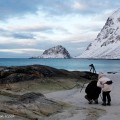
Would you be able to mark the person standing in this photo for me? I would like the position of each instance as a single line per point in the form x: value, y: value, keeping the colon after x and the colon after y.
x: 106, y: 85
x: 92, y: 68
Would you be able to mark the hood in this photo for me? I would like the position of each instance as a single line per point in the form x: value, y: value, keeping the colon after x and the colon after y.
x: 101, y: 75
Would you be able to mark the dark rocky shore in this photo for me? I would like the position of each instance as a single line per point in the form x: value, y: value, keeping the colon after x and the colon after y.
x: 32, y: 72
x: 22, y: 90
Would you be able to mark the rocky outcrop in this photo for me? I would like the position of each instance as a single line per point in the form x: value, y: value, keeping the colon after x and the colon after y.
x: 32, y: 72
x: 31, y: 105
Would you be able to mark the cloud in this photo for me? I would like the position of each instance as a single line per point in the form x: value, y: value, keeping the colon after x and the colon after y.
x: 77, y: 38
x: 20, y: 42
x: 77, y: 5
x: 42, y: 24
x: 22, y: 35
x: 17, y: 35
x: 58, y: 7
x: 22, y: 51
x: 46, y: 28
x: 31, y: 28
x: 11, y: 8
x: 67, y: 7
x: 19, y: 8
x: 98, y: 6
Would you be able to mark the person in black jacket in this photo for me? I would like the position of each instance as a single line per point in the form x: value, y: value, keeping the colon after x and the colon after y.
x: 92, y: 68
x: 92, y: 92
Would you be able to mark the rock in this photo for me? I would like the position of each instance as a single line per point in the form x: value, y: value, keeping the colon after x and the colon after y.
x: 31, y: 105
x: 30, y: 96
x: 32, y: 72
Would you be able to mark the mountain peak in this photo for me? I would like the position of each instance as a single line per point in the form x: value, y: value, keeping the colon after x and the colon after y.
x: 107, y: 43
x: 56, y: 52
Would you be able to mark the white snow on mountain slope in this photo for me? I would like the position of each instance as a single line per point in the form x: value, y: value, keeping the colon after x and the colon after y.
x: 107, y: 43
x: 56, y: 52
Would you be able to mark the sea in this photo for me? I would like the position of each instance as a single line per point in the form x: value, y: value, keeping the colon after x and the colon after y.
x: 101, y: 65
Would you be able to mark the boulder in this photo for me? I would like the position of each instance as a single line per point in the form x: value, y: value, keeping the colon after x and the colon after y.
x: 31, y: 105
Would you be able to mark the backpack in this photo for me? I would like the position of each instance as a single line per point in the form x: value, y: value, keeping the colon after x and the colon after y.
x: 109, y: 82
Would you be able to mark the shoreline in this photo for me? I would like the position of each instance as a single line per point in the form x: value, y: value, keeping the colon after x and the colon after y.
x: 32, y: 72
x: 3, y: 67
x: 67, y: 58
x: 74, y: 106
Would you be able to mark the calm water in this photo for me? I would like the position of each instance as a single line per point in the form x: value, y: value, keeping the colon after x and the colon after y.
x: 69, y: 64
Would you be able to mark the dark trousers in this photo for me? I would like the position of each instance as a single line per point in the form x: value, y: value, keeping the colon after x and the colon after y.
x: 106, y: 97
x: 93, y: 69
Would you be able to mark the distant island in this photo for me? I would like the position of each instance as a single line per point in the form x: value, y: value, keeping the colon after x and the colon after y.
x: 54, y: 52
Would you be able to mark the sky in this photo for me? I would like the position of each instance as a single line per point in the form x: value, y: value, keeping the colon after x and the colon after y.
x: 28, y: 27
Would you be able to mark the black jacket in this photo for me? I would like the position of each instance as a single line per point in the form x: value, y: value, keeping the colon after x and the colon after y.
x: 92, y: 90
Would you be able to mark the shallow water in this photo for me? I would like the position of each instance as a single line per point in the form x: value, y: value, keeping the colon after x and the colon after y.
x: 68, y: 64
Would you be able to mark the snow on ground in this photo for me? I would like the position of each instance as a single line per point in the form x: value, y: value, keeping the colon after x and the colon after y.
x: 81, y: 110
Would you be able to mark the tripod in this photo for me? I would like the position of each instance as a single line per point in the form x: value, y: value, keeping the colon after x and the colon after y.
x: 82, y: 86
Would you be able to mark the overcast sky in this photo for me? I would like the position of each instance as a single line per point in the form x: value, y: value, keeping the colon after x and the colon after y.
x: 28, y: 27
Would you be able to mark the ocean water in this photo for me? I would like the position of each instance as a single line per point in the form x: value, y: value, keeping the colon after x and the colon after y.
x: 68, y: 64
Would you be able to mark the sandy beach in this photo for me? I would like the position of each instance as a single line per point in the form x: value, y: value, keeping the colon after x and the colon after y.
x: 81, y: 110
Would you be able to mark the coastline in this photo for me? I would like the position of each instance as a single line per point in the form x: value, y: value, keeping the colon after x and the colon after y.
x: 33, y: 82
x: 67, y: 64
x: 61, y: 93
x: 32, y: 72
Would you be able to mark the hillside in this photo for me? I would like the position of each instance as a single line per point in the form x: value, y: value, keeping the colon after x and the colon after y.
x: 107, y: 43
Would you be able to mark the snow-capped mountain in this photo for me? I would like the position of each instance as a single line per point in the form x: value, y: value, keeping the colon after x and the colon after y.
x: 107, y: 43
x: 56, y: 52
